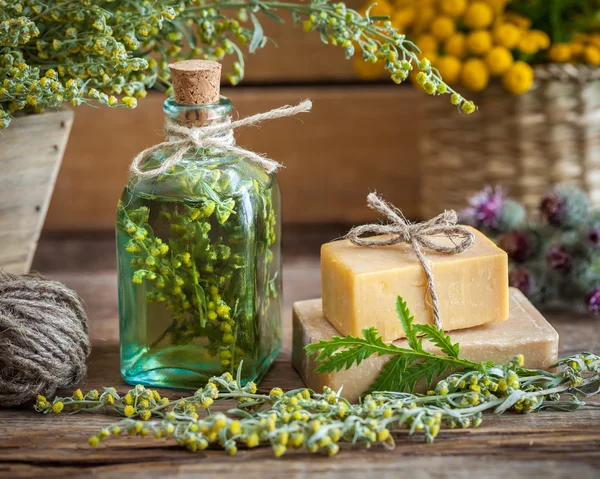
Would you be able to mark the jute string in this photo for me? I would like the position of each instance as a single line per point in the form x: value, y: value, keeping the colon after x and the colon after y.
x: 217, y: 136
x: 43, y: 338
x: 417, y: 235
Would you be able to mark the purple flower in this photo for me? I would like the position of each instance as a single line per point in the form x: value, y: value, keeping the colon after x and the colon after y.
x: 553, y: 208
x: 593, y: 236
x: 593, y: 301
x: 484, y: 207
x: 518, y: 244
x: 558, y: 259
x: 521, y: 279
x: 565, y: 206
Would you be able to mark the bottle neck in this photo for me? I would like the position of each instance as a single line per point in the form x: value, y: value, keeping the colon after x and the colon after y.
x: 197, y: 115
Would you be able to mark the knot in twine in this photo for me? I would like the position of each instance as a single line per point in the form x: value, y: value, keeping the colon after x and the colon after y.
x: 417, y: 235
x: 218, y: 136
x: 43, y: 338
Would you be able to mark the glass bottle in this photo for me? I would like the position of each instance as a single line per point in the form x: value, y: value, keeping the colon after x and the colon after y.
x: 199, y: 265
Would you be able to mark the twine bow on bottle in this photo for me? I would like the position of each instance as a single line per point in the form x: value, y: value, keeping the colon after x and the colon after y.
x: 218, y: 136
x: 417, y: 235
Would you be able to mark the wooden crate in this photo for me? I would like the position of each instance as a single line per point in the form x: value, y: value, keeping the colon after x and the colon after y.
x: 30, y: 154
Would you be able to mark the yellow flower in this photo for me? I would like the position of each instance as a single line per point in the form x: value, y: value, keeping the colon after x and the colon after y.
x: 497, y: 5
x: 519, y: 20
x: 478, y: 15
x: 528, y: 43
x: 253, y: 440
x: 145, y: 415
x: 93, y: 441
x: 453, y: 8
x: 456, y: 45
x: 57, y: 407
x: 367, y: 71
x: 442, y: 28
x: 129, y: 102
x: 507, y: 35
x: 576, y: 48
x: 128, y: 411
x: 518, y: 79
x: 541, y: 39
x: 279, y: 450
x: 591, y: 55
x: 594, y: 39
x: 424, y: 17
x: 559, y: 53
x: 235, y: 428
x: 78, y: 395
x: 128, y: 399
x: 403, y: 18
x: 449, y: 67
x: 498, y: 60
x: 479, y: 42
x: 474, y: 75
x: 427, y: 44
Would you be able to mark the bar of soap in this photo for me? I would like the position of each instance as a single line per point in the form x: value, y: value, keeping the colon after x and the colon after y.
x: 525, y: 332
x: 360, y: 286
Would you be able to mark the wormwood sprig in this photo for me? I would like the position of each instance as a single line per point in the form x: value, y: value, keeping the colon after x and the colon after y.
x: 110, y: 53
x: 305, y: 419
x: 406, y: 365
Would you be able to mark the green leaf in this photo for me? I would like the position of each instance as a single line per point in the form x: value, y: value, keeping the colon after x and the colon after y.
x: 323, y: 34
x: 389, y: 378
x: 271, y: 15
x: 257, y: 34
x: 422, y: 369
x: 437, y: 337
x: 345, y: 359
x: 407, y: 324
x: 353, y: 350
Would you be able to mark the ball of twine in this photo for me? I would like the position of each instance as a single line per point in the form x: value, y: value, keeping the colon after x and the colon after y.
x: 43, y: 338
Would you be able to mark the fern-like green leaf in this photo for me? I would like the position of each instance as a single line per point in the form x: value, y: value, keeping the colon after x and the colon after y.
x: 326, y: 348
x: 389, y: 378
x: 407, y: 323
x: 428, y: 369
x: 342, y: 353
x: 345, y: 359
x: 437, y: 337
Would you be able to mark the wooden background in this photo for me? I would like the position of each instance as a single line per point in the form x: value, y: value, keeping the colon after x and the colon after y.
x: 359, y: 137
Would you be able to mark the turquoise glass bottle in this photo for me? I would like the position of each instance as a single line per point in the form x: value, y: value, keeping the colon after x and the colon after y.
x: 199, y: 264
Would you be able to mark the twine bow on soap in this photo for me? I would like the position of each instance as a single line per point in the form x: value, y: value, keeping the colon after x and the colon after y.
x: 218, y: 136
x: 417, y: 235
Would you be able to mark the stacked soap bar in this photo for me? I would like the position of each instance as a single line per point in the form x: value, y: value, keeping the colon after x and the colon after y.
x: 525, y: 332
x: 360, y: 286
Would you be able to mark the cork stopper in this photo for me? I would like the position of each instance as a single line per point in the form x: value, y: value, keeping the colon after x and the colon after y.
x: 196, y: 82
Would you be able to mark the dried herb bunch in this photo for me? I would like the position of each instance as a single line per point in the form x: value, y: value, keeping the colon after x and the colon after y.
x: 304, y: 419
x: 95, y: 52
x: 554, y: 257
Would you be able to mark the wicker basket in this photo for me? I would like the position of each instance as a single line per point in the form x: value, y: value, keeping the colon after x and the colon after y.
x: 527, y: 143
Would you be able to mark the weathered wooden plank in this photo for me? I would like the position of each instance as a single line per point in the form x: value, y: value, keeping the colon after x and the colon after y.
x: 355, y: 140
x: 31, y: 151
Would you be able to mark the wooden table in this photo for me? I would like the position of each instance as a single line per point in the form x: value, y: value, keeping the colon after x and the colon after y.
x: 544, y: 444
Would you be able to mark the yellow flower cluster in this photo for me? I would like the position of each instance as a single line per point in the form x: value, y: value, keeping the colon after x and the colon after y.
x: 581, y: 49
x: 471, y: 42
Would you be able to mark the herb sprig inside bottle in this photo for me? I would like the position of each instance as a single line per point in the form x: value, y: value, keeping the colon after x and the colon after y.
x: 198, y: 247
